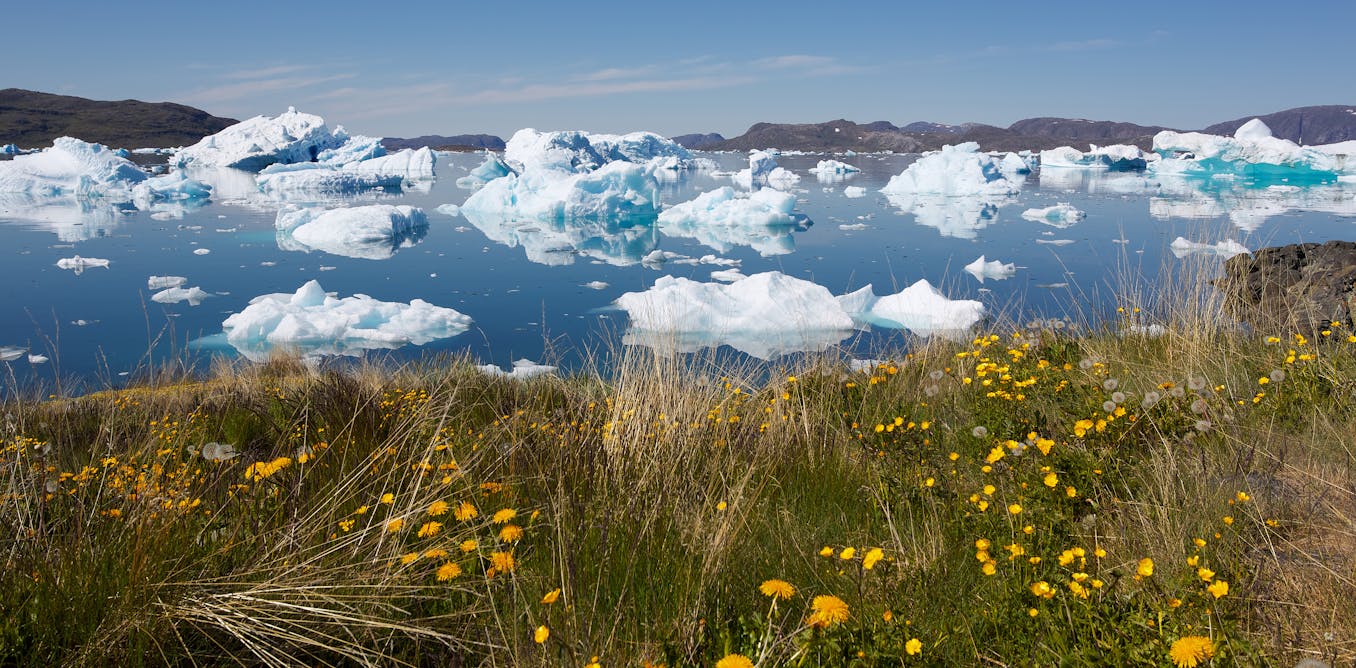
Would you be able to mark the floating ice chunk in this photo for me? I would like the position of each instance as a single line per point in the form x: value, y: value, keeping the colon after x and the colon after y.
x: 1252, y: 152
x: 356, y: 148
x: 449, y: 210
x: 491, y: 169
x: 1060, y: 215
x: 171, y: 195
x: 202, y: 251
x: 11, y: 353
x: 833, y: 167
x: 954, y: 171
x: 387, y: 171
x: 162, y: 282
x: 9, y: 149
x: 313, y: 323
x: 620, y: 242
x: 1055, y: 242
x: 261, y: 141
x: 993, y: 269
x: 596, y: 285
x: 615, y: 190
x: 522, y: 370
x: 853, y: 192
x: 80, y: 264
x: 1012, y: 165
x: 761, y: 166
x: 193, y: 296
x: 70, y: 167
x: 924, y: 310
x: 1228, y: 248
x: 1117, y: 158
x: 723, y: 219
x: 763, y: 315
x: 575, y: 151
x: 727, y: 275
x: 372, y: 232
x: 37, y: 359
x: 852, y: 227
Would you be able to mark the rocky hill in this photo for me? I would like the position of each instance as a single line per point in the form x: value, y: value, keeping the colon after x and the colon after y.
x: 698, y: 141
x: 1327, y: 124
x: 442, y: 143
x: 1082, y: 130
x: 839, y: 135
x: 843, y: 135
x: 31, y: 119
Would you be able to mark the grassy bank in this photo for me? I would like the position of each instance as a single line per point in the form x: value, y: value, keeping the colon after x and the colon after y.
x: 1022, y: 498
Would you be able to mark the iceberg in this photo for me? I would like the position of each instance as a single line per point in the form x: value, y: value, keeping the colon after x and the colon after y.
x: 9, y: 149
x: 1060, y: 215
x: 1012, y: 165
x: 576, y: 151
x: 11, y: 353
x: 70, y: 167
x: 619, y: 242
x: 992, y: 269
x: 722, y: 219
x: 174, y: 295
x: 1251, y: 153
x: 372, y: 232
x: 80, y: 264
x: 522, y: 370
x: 1228, y: 248
x: 954, y: 171
x: 386, y: 171
x: 314, y: 323
x: 615, y: 190
x: 258, y: 142
x: 833, y: 167
x: 162, y: 282
x: 763, y: 171
x: 491, y: 169
x: 171, y: 195
x: 853, y: 192
x: 1115, y: 158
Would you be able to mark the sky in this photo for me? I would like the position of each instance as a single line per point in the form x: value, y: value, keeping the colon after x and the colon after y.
x: 413, y: 68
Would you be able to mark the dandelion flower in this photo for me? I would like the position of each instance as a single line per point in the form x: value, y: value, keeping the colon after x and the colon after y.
x: 395, y: 525
x: 1190, y: 651
x: 979, y: 431
x: 873, y: 556
x: 468, y: 546
x: 388, y: 498
x: 1015, y: 509
x: 1110, y: 384
x: 437, y: 508
x: 502, y: 562
x: 1145, y: 568
x: 1108, y: 405
x: 541, y: 634
x: 777, y: 589
x: 465, y: 511
x: 430, y: 529
x: 913, y: 647
x: 1118, y: 397
x: 826, y: 551
x: 734, y: 661
x: 504, y: 515
x: 1219, y: 589
x: 827, y: 611
x: 1051, y: 480
x: 511, y: 533
x: 410, y: 558
x: 448, y: 571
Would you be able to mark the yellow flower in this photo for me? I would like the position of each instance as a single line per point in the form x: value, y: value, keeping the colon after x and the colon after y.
x: 437, y: 508
x: 1042, y: 589
x: 734, y: 661
x: 1015, y: 509
x: 777, y: 589
x: 502, y: 562
x: 511, y: 533
x: 504, y: 515
x: 1205, y: 573
x: 1219, y: 589
x: 541, y: 634
x: 914, y: 647
x: 465, y: 511
x: 1190, y: 651
x: 436, y: 553
x: 551, y: 596
x: 468, y: 546
x: 409, y: 558
x: 983, y: 544
x: 1051, y: 480
x: 989, y: 568
x: 826, y: 551
x: 995, y: 454
x: 847, y: 553
x: 430, y: 529
x: 388, y: 498
x: 827, y: 611
x: 721, y: 506
x: 873, y: 556
x: 448, y: 571
x: 395, y: 525
x: 1145, y: 568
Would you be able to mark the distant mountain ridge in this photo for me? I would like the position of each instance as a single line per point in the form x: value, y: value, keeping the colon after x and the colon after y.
x: 698, y: 141
x: 32, y: 119
x: 1327, y: 124
x: 445, y: 143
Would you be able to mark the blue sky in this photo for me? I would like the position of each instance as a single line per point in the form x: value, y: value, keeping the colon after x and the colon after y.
x: 402, y: 69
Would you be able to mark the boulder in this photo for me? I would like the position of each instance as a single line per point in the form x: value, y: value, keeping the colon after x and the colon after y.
x: 1300, y: 287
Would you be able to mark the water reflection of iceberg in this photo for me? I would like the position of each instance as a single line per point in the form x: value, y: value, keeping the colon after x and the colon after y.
x: 373, y: 232
x: 237, y: 187
x: 959, y: 217
x: 620, y: 242
x: 1247, y: 206
x: 1094, y: 182
x: 70, y: 217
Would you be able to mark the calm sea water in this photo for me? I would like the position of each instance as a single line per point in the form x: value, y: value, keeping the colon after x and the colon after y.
x: 524, y: 285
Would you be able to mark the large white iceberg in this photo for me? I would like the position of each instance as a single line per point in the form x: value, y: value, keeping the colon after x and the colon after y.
x: 261, y: 141
x: 1060, y: 215
x: 954, y: 171
x: 833, y: 167
x: 1117, y: 157
x: 615, y: 190
x: 1252, y: 153
x: 576, y: 151
x: 70, y: 167
x: 723, y: 218
x: 372, y: 232
x: 385, y: 171
x: 310, y: 322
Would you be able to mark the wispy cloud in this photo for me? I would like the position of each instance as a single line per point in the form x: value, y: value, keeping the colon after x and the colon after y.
x: 615, y: 73
x: 242, y: 90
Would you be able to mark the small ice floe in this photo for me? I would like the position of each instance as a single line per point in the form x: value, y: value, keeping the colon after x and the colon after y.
x: 175, y: 295
x: 1152, y: 331
x: 853, y: 192
x: 11, y: 353
x: 201, y: 251
x: 994, y: 269
x: 1228, y: 248
x: 1055, y: 242
x: 1059, y: 215
x: 449, y: 210
x: 1116, y: 158
x: 522, y: 370
x: 833, y: 167
x: 852, y: 227
x: 162, y: 282
x: 727, y: 275
x: 596, y: 285
x: 37, y: 359
x: 80, y: 264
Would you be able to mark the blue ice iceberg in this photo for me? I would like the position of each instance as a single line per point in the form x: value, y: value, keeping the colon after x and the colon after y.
x: 258, y: 142
x: 70, y: 167
x: 372, y: 232
x: 1252, y: 153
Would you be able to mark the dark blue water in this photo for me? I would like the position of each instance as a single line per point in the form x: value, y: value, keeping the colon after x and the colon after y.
x: 525, y: 288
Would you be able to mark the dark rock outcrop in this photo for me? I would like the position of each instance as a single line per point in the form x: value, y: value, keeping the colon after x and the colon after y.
x: 1327, y: 124
x: 833, y: 136
x: 441, y: 143
x: 32, y: 119
x: 1300, y: 287
x: 698, y: 141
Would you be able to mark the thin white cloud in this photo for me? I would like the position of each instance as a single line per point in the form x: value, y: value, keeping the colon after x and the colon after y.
x: 266, y: 72
x: 794, y: 60
x: 615, y: 73
x: 233, y: 92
